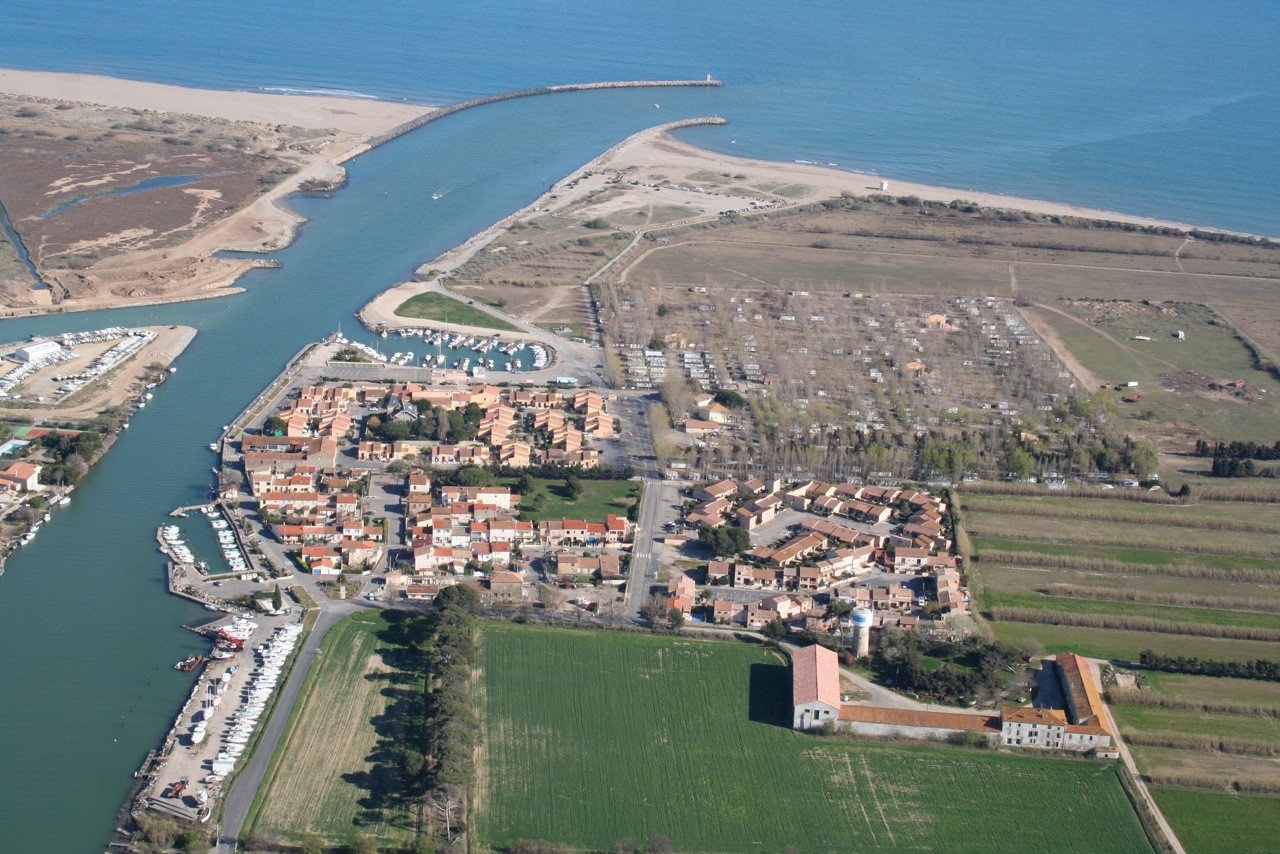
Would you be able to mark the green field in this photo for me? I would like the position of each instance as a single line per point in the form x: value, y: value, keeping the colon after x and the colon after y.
x: 1210, y: 822
x: 599, y: 498
x: 1153, y: 719
x: 1120, y: 645
x: 1155, y: 557
x: 325, y: 777
x: 1025, y: 579
x: 1065, y: 529
x: 1168, y: 556
x: 1214, y: 689
x: 595, y: 737
x: 435, y: 306
x: 1170, y: 613
x: 1196, y: 515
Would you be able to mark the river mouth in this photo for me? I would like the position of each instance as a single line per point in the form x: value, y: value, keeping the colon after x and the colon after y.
x: 15, y: 239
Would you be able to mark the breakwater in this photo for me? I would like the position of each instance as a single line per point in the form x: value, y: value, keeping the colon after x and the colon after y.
x: 436, y: 115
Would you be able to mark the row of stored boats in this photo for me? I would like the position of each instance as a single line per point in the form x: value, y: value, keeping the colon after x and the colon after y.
x: 271, y: 657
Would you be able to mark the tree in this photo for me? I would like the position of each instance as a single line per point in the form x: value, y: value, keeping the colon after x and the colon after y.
x: 312, y: 844
x: 362, y: 844
x: 275, y: 424
x: 573, y: 486
x: 461, y: 596
x: 1017, y: 462
x: 675, y: 618
x: 1143, y: 458
x: 653, y: 610
x: 525, y: 485
x: 277, y: 600
x: 839, y: 608
x: 775, y: 629
x: 729, y: 398
x: 725, y: 540
x: 473, y: 476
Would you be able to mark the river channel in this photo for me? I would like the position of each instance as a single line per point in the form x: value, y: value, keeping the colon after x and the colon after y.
x: 88, y: 636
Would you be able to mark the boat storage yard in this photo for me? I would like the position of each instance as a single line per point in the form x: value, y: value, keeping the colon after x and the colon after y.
x: 219, y: 721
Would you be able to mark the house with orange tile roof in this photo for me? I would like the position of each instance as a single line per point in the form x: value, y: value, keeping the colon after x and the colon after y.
x: 20, y: 477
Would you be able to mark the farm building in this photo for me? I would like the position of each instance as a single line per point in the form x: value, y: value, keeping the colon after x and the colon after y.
x: 815, y: 687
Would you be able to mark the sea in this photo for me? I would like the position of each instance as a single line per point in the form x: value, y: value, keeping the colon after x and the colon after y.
x: 1169, y: 110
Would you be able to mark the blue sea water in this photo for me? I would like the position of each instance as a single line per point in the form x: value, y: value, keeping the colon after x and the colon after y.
x: 1163, y: 109
x: 1159, y: 109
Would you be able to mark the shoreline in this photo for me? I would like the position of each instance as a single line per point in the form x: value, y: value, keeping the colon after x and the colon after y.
x: 366, y: 121
x: 840, y: 179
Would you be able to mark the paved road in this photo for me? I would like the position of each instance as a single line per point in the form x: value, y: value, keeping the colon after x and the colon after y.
x: 1127, y: 758
x: 239, y: 797
x: 646, y: 553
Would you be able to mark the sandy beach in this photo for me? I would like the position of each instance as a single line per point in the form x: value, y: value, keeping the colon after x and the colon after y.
x: 664, y: 152
x: 190, y: 270
x: 359, y: 116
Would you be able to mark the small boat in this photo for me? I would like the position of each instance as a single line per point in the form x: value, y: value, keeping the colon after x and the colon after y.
x: 213, y: 446
x: 191, y: 662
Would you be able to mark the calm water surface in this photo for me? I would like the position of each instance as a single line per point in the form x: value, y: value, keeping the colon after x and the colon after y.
x: 1169, y: 110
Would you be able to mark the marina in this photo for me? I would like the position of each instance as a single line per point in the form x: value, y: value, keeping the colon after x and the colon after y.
x: 220, y: 717
x: 470, y: 354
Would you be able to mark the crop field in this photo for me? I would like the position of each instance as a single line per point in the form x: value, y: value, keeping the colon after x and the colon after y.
x: 1017, y: 578
x: 1123, y: 645
x: 1065, y: 529
x: 1105, y: 608
x: 434, y: 306
x: 1173, y: 561
x: 1155, y: 719
x: 1208, y: 822
x: 599, y: 498
x: 593, y: 738
x: 325, y: 777
x: 1109, y: 577
x: 1216, y: 689
x: 1224, y: 515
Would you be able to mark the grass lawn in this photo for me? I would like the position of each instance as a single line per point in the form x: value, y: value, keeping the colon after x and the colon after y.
x: 593, y: 737
x: 599, y: 498
x: 1154, y: 719
x: 325, y: 777
x: 1121, y: 645
x: 434, y: 306
x: 1216, y: 821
